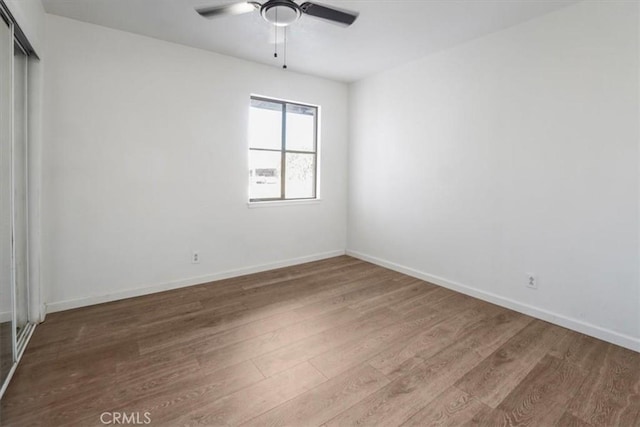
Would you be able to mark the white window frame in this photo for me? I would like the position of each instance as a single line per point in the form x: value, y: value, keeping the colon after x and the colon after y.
x: 283, y: 200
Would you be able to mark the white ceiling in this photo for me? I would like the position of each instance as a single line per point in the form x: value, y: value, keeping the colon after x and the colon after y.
x: 387, y: 33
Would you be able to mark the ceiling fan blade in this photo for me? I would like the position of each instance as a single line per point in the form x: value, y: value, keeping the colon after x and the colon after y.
x: 229, y: 9
x: 333, y: 14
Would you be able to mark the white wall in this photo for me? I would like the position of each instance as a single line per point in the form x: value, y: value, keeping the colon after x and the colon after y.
x: 146, y: 160
x: 514, y: 153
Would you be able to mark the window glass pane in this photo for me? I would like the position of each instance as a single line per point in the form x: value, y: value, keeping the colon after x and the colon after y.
x: 265, y: 125
x: 300, y: 128
x: 300, y: 175
x: 264, y: 174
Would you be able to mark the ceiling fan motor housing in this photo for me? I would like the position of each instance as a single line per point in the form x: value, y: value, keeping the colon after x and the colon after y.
x: 280, y: 12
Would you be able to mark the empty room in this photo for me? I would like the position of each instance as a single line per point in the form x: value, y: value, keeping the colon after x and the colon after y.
x: 320, y: 213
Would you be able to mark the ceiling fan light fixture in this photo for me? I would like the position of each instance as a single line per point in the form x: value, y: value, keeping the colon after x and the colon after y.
x: 280, y: 13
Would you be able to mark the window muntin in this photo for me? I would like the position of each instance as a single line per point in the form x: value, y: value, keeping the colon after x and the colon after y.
x: 283, y: 154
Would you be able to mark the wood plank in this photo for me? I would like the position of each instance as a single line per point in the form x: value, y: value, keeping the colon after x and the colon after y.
x: 294, y: 288
x: 251, y: 308
x: 413, y: 288
x: 192, y: 392
x: 568, y: 420
x: 252, y: 401
x: 245, y: 306
x: 340, y: 359
x: 47, y: 401
x: 402, y: 357
x: 275, y: 340
x: 581, y: 350
x: 295, y: 353
x: 453, y: 407
x: 73, y: 367
x: 540, y: 399
x: 357, y: 291
x: 325, y: 401
x: 204, y: 340
x: 207, y: 340
x: 610, y: 395
x: 405, y: 396
x: 427, y: 299
x: 503, y: 370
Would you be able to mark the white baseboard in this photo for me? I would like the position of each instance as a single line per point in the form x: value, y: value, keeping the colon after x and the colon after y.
x: 5, y: 316
x: 604, y: 334
x: 146, y: 290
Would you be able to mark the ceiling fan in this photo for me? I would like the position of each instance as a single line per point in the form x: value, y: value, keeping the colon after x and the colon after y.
x: 282, y: 13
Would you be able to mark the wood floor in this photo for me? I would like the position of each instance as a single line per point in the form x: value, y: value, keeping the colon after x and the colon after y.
x: 6, y: 350
x: 334, y: 342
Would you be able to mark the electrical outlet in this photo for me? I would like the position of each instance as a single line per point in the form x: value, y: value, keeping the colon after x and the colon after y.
x: 532, y: 281
x: 195, y: 257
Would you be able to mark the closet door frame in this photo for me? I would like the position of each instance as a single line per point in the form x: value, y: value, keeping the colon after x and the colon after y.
x: 14, y: 316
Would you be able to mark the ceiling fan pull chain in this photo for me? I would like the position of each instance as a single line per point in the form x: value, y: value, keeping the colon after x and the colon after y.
x: 285, y: 49
x: 275, y: 45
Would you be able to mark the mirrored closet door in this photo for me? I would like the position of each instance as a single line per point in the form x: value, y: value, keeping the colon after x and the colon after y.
x: 7, y: 333
x: 15, y: 325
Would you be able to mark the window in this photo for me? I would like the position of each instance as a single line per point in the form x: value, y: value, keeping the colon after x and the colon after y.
x: 283, y: 150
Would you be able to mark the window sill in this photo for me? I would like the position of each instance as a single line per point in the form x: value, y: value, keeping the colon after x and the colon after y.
x: 275, y: 203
